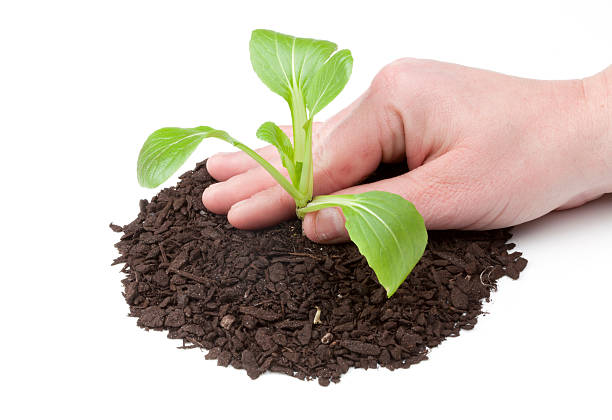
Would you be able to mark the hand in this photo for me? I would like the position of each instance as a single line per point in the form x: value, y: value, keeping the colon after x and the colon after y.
x: 485, y: 150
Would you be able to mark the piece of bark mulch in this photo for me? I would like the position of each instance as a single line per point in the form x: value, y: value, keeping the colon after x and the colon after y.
x: 250, y: 298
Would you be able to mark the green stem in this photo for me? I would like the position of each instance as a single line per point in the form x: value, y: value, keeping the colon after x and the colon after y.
x: 298, y: 120
x: 306, y: 177
x: 300, y: 199
x: 297, y: 196
x: 322, y: 202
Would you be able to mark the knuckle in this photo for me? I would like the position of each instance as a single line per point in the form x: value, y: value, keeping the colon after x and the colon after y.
x: 386, y: 80
x: 403, y: 78
x: 395, y: 74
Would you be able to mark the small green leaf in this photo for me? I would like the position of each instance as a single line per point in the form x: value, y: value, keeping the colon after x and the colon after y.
x: 271, y: 133
x: 329, y: 81
x: 386, y: 228
x: 165, y: 151
x: 285, y: 63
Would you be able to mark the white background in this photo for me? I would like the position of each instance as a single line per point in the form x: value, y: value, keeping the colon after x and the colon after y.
x: 83, y: 83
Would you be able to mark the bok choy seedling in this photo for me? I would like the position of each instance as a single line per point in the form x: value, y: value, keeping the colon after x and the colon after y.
x: 308, y: 74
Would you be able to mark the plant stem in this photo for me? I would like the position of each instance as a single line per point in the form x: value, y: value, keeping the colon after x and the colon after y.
x: 322, y: 202
x: 298, y: 120
x: 300, y: 198
x: 306, y: 184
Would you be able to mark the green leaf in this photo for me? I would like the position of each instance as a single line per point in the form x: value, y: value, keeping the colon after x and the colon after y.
x: 168, y: 148
x: 285, y: 63
x: 165, y: 151
x: 328, y: 82
x: 386, y: 228
x: 271, y: 133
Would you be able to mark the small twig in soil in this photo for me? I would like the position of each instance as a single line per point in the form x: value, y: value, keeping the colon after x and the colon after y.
x: 354, y: 260
x: 161, y: 216
x: 190, y: 276
x: 194, y: 344
x: 303, y: 254
x: 488, y: 277
x: 317, y: 317
x: 163, y: 254
x: 263, y: 302
x: 188, y: 347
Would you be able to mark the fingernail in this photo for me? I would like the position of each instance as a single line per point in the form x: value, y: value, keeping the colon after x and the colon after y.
x: 329, y: 224
x: 207, y: 191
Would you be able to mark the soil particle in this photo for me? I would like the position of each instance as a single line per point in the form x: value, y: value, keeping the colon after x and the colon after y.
x: 260, y: 313
x: 360, y: 347
x: 458, y: 298
x: 175, y: 318
x: 264, y: 339
x: 151, y: 317
x: 251, y: 298
x: 227, y: 321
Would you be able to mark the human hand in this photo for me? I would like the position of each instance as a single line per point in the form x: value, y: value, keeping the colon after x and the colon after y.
x: 485, y: 151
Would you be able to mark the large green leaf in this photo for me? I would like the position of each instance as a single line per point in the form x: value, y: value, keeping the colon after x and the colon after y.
x: 386, y: 228
x: 168, y: 148
x: 286, y: 63
x: 328, y: 82
x: 271, y: 133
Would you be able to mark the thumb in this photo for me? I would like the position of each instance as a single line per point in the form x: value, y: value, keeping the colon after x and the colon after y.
x: 433, y: 188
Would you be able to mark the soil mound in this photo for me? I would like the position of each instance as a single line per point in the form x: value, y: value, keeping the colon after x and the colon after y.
x: 274, y: 301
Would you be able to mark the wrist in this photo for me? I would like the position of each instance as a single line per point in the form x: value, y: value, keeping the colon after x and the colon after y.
x: 597, y: 115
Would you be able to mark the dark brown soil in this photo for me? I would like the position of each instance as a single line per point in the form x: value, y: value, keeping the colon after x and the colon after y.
x: 252, y: 298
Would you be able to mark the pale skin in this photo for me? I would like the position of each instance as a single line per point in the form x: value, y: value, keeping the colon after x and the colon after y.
x: 485, y: 150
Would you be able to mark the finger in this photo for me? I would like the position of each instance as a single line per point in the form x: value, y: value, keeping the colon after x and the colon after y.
x: 265, y: 208
x: 437, y: 190
x: 223, y: 166
x: 220, y: 197
x: 326, y: 226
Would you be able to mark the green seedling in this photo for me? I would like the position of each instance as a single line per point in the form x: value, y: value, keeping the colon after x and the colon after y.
x: 308, y: 74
